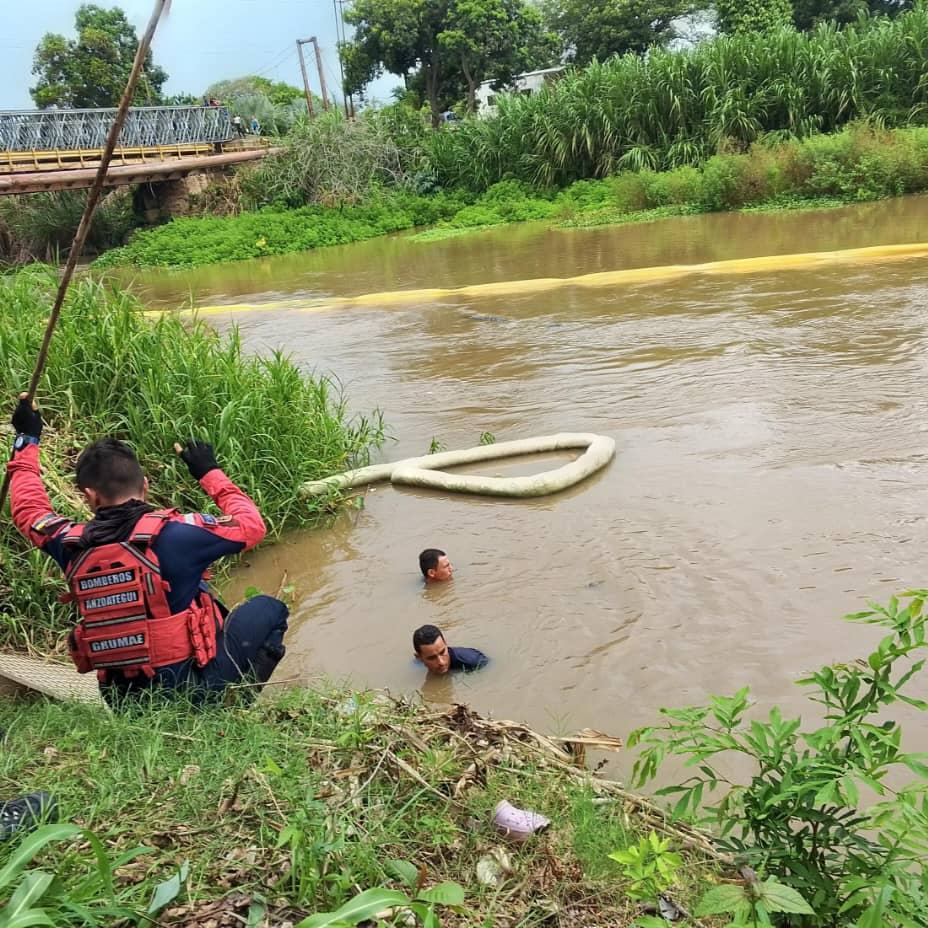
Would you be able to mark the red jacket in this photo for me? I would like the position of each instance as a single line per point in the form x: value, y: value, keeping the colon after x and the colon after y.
x: 185, y: 547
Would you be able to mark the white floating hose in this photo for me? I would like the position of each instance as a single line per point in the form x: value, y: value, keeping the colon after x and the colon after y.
x: 426, y: 471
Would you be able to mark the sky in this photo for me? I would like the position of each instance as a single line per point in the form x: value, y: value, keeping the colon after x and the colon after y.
x: 200, y: 42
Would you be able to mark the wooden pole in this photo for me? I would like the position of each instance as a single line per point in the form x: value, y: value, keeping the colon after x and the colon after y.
x: 80, y: 236
x: 309, y: 96
x: 325, y: 93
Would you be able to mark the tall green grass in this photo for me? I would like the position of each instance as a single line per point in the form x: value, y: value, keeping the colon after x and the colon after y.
x: 152, y: 382
x: 679, y: 108
x: 40, y: 226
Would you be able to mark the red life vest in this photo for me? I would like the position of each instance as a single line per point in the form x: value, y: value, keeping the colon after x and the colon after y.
x: 125, y: 621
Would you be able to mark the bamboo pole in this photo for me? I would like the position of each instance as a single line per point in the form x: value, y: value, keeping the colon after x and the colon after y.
x: 80, y: 236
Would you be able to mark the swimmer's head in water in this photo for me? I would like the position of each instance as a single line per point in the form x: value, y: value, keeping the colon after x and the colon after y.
x: 435, y: 565
x: 429, y: 644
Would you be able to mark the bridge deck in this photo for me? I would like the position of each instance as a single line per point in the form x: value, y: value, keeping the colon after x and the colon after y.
x: 136, y: 173
x: 60, y: 159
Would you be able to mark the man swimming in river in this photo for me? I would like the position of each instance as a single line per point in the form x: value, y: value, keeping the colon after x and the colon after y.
x: 435, y: 566
x: 429, y: 644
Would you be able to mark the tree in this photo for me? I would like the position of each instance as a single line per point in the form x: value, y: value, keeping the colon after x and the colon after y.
x: 753, y: 15
x: 809, y: 13
x: 602, y: 28
x: 275, y: 104
x: 441, y: 43
x: 93, y: 69
x: 181, y: 99
x: 278, y: 93
x: 494, y: 40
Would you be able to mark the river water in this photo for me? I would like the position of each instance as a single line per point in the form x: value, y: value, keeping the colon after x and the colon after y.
x: 770, y: 476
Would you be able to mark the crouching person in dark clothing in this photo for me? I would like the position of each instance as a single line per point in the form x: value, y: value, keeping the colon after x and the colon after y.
x: 145, y: 616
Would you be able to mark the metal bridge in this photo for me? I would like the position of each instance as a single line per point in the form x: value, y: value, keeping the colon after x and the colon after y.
x: 60, y: 149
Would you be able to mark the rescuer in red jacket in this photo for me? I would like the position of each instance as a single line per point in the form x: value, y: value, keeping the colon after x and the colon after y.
x: 137, y: 574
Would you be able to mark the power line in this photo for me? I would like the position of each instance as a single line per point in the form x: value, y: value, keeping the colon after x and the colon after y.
x: 279, y: 58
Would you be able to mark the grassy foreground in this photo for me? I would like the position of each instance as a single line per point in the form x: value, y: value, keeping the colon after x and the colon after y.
x: 295, y: 805
x: 859, y: 163
x: 112, y: 371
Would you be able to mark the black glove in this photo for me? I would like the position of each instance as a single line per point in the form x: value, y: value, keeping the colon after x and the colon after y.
x: 200, y: 458
x: 26, y: 420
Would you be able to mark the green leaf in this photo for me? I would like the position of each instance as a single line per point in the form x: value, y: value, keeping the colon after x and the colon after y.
x: 720, y: 899
x: 31, y: 846
x: 443, y: 894
x: 404, y: 871
x: 363, y: 906
x: 623, y: 857
x: 28, y: 919
x: 873, y: 917
x: 166, y: 892
x: 916, y: 766
x: 33, y: 886
x: 780, y: 898
x: 104, y: 867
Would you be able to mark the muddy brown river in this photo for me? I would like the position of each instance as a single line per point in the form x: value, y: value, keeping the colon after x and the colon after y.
x: 770, y: 475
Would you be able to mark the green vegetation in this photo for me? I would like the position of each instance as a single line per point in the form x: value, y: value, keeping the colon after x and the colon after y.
x: 276, y: 105
x: 745, y: 120
x: 93, y: 69
x: 311, y: 800
x: 753, y: 15
x: 672, y: 109
x: 859, y: 163
x: 191, y: 242
x: 298, y: 803
x: 825, y: 809
x: 332, y: 161
x: 154, y: 382
x: 599, y: 29
x: 41, y: 226
x: 445, y: 47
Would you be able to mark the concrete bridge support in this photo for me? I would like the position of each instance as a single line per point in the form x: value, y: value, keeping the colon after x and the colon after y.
x: 159, y: 201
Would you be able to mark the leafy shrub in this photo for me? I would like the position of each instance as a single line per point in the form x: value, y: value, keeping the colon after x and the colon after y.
x: 630, y: 190
x: 333, y: 161
x: 803, y: 816
x: 673, y: 188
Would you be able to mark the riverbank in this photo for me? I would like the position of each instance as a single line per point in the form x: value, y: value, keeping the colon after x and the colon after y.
x: 858, y: 164
x: 154, y: 382
x: 296, y: 804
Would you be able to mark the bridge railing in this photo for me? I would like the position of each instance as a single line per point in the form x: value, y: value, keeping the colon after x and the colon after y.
x: 86, y: 130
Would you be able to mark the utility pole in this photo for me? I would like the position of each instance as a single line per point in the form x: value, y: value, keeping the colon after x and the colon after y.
x: 309, y: 96
x: 339, y: 41
x: 325, y: 93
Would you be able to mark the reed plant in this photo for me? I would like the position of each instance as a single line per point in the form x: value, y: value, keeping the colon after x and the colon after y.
x: 151, y: 382
x: 40, y: 226
x: 674, y: 108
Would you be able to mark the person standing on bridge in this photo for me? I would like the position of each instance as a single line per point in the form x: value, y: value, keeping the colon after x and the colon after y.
x: 137, y: 574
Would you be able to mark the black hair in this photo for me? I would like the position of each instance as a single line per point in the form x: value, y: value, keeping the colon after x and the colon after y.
x: 110, y: 467
x: 428, y: 560
x: 426, y: 634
